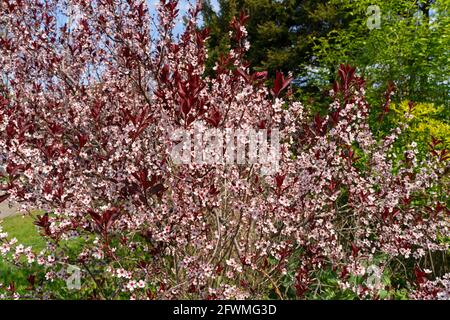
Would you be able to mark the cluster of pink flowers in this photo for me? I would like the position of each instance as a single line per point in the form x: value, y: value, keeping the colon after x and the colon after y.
x: 439, y: 289
x: 86, y: 114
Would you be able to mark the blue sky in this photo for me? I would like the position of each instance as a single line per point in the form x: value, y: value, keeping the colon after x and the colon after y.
x: 183, y: 6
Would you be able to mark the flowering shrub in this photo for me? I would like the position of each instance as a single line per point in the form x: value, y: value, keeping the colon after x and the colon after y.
x: 87, y: 113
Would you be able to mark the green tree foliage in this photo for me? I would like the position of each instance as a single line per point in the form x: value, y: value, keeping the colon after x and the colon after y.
x: 409, y: 47
x: 281, y: 32
x: 311, y: 38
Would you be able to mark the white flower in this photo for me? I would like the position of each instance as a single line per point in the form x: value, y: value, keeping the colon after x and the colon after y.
x: 131, y: 285
x: 19, y: 249
x: 5, y: 248
x: 49, y: 276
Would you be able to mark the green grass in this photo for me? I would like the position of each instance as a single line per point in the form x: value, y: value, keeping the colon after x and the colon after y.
x: 22, y: 228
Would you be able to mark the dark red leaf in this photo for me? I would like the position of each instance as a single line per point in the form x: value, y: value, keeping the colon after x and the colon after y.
x: 4, y: 197
x: 280, y: 83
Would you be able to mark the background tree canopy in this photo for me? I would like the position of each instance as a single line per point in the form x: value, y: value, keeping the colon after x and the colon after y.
x: 402, y: 41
